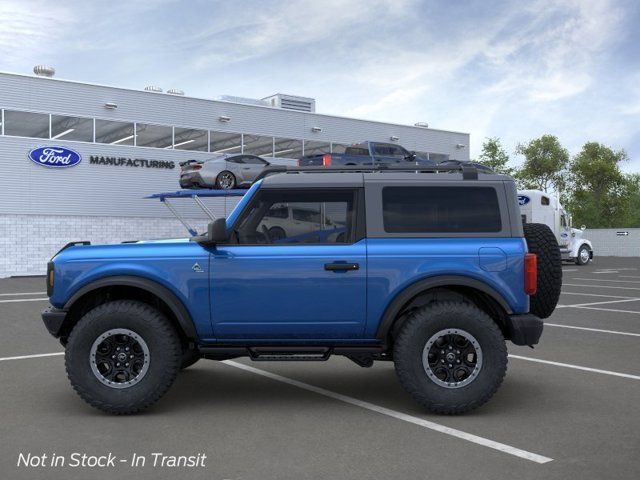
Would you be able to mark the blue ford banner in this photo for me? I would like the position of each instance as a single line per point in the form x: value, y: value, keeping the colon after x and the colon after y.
x: 56, y: 157
x: 523, y: 199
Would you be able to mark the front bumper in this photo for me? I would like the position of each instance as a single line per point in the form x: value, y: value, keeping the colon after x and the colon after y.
x: 53, y: 319
x: 525, y: 329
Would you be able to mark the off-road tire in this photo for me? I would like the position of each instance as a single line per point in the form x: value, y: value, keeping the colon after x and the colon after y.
x: 542, y: 242
x: 189, y: 357
x: 579, y: 257
x: 410, y: 342
x: 165, y: 355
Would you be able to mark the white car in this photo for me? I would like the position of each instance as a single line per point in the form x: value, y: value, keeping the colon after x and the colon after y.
x: 283, y: 221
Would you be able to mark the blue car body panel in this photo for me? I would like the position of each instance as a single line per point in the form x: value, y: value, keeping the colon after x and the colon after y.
x: 284, y: 292
x: 168, y: 264
x: 394, y: 264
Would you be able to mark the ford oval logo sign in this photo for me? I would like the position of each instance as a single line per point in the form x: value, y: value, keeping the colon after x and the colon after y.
x: 56, y: 157
x: 523, y: 200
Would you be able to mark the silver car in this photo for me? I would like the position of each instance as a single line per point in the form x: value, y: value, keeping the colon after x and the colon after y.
x: 222, y: 172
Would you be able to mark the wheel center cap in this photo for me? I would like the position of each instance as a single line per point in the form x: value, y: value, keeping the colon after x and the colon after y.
x: 451, y: 357
x: 122, y: 357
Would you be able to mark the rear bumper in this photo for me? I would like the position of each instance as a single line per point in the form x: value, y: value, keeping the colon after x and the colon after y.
x: 189, y: 180
x: 53, y: 319
x: 525, y: 329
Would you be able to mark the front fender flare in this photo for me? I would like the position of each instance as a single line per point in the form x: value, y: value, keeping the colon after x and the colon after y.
x: 402, y: 298
x: 167, y: 296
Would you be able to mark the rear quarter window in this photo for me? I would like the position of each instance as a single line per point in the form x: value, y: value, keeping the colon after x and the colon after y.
x: 441, y: 210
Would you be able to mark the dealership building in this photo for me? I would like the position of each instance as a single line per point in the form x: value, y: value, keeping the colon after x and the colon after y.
x: 128, y: 144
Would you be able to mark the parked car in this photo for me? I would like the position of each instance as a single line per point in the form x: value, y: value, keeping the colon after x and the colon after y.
x: 285, y: 223
x: 367, y: 153
x: 223, y: 172
x: 433, y: 272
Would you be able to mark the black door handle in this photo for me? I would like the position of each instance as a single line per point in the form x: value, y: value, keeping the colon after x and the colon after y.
x: 341, y: 266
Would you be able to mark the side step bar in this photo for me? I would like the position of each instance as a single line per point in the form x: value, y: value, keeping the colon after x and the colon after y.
x: 289, y: 354
x: 362, y: 355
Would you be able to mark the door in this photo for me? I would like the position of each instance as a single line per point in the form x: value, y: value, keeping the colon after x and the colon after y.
x: 292, y: 281
x: 387, y: 154
x: 251, y: 167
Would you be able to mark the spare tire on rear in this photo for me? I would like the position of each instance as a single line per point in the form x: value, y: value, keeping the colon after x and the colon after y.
x: 542, y: 242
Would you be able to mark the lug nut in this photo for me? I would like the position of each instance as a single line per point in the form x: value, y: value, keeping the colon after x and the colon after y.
x: 126, y: 364
x: 113, y: 356
x: 450, y: 365
x: 457, y: 361
x: 450, y: 347
x: 130, y: 356
x: 118, y: 364
x: 127, y: 349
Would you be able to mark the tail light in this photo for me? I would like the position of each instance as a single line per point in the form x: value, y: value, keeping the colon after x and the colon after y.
x: 298, y: 162
x: 326, y: 160
x: 530, y: 274
x: 197, y: 166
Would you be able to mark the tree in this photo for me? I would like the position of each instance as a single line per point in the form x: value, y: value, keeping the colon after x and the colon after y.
x: 495, y: 157
x: 600, y: 192
x: 545, y: 164
x: 632, y: 218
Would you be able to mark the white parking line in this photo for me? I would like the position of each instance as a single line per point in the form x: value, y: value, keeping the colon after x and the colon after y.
x: 395, y: 414
x: 610, y: 281
x: 24, y: 300
x: 598, y: 303
x: 592, y: 329
x: 610, y: 310
x: 23, y: 357
x: 629, y: 276
x: 577, y: 367
x: 23, y: 293
x: 594, y: 295
x: 569, y: 269
x: 600, y: 286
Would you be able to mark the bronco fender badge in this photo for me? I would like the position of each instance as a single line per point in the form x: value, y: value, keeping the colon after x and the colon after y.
x: 197, y: 268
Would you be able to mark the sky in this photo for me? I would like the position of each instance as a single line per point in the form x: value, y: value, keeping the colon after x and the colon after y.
x: 509, y: 69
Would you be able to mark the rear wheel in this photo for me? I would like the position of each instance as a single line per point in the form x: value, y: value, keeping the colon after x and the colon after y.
x: 450, y: 356
x: 542, y: 242
x: 122, y: 356
x: 225, y: 180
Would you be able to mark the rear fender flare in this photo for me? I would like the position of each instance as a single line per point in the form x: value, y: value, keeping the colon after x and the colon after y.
x: 411, y: 291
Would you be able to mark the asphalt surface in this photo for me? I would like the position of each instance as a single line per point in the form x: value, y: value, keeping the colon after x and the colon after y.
x: 576, y: 417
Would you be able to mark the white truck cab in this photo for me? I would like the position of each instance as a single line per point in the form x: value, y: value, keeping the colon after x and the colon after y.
x: 539, y: 207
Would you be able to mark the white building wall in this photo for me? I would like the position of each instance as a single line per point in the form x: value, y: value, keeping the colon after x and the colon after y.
x: 614, y: 242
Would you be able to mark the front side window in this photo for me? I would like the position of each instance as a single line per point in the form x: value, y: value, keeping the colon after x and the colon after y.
x: 298, y: 217
x: 441, y: 210
x: 390, y: 151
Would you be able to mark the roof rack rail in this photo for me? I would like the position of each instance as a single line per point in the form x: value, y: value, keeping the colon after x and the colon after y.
x: 469, y: 172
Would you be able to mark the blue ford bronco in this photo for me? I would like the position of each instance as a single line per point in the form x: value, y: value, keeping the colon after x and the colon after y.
x: 428, y: 267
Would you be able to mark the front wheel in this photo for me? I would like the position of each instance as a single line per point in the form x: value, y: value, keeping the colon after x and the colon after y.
x: 122, y: 356
x: 450, y: 356
x: 584, y: 255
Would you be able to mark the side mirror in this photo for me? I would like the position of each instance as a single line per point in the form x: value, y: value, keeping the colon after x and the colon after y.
x: 216, y: 233
x: 583, y: 227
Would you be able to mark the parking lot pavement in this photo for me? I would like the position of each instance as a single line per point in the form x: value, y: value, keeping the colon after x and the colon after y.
x: 334, y: 419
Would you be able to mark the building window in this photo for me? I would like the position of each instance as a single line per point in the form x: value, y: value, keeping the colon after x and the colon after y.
x: 71, y: 128
x: 258, y: 145
x: 156, y: 136
x: 26, y: 124
x: 287, y: 148
x: 190, y: 139
x: 223, y: 142
x: 114, y: 133
x: 440, y: 210
x: 316, y: 148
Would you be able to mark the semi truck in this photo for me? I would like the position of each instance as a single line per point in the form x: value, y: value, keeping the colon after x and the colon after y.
x: 537, y: 206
